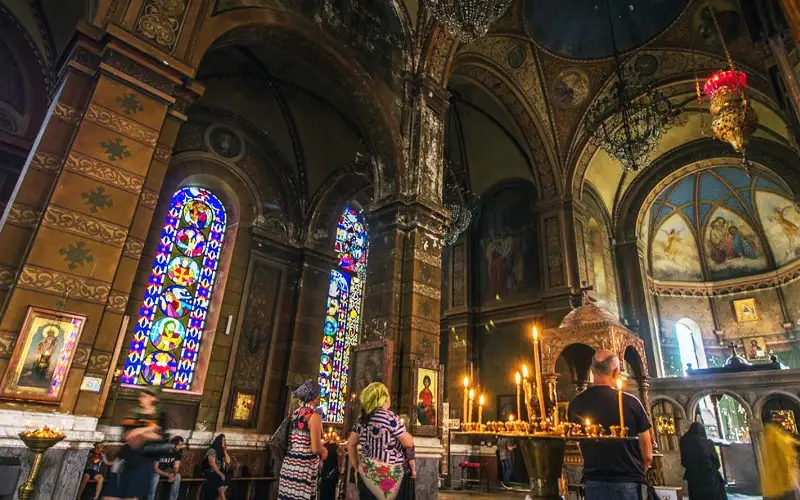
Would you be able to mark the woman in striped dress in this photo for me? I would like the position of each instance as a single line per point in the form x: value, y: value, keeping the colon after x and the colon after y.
x: 386, y: 466
x: 300, y: 470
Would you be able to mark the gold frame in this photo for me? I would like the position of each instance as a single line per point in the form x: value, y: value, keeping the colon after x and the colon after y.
x: 9, y: 388
x: 738, y: 309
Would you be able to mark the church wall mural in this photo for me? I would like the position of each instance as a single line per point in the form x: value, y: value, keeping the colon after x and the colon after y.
x: 501, y: 346
x: 674, y: 255
x: 732, y: 247
x: 770, y: 317
x: 507, y: 258
x: 781, y: 222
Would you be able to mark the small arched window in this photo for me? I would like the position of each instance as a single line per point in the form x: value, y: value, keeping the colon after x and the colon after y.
x: 343, y: 313
x: 690, y: 344
x: 168, y: 333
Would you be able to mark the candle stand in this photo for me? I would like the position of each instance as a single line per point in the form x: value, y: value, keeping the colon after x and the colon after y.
x: 544, y: 453
x: 38, y: 441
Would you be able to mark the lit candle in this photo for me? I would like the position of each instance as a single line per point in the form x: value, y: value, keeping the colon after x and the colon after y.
x: 518, y: 379
x: 619, y: 398
x: 555, y: 405
x: 469, y: 412
x: 526, y: 392
x: 511, y: 418
x: 481, y: 401
x: 537, y: 369
x: 466, y: 388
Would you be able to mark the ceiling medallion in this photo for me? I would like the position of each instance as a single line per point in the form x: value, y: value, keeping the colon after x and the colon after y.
x: 468, y: 20
x: 628, y: 121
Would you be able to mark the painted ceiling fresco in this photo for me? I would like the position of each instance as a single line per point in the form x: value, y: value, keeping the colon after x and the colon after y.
x: 555, y: 26
x: 720, y: 223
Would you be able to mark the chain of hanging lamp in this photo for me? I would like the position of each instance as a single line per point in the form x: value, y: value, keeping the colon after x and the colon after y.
x: 628, y: 121
x: 467, y: 20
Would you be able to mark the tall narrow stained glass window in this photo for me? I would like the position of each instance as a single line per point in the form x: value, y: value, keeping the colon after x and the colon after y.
x: 343, y: 314
x: 167, y: 337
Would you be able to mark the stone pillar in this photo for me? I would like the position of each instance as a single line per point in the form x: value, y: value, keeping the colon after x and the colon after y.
x: 74, y: 230
x: 405, y: 263
x: 633, y: 299
x: 791, y: 9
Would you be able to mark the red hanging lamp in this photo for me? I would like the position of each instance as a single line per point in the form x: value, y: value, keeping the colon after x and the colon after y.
x: 733, y: 118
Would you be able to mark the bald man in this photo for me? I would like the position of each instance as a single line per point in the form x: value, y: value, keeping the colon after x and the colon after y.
x: 612, y: 470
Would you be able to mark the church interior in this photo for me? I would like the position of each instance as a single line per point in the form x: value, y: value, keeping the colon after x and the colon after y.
x: 223, y: 199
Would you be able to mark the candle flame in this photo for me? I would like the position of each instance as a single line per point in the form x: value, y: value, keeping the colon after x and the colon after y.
x: 511, y: 418
x: 524, y: 371
x: 471, y: 394
x: 588, y: 422
x: 619, y: 384
x: 481, y: 400
x: 535, y: 333
x: 518, y: 378
x: 466, y: 382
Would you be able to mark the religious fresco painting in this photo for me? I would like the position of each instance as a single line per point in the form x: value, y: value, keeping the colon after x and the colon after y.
x: 42, y: 355
x: 674, y: 254
x: 781, y: 222
x: 168, y: 334
x: 372, y: 362
x: 756, y: 348
x: 343, y: 315
x: 597, y: 261
x: 732, y: 247
x: 507, y: 245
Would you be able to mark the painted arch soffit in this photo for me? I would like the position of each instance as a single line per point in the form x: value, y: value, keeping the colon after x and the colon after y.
x: 509, y: 95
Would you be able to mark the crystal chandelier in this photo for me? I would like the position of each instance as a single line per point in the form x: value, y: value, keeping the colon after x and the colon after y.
x: 463, y: 206
x: 733, y: 118
x: 468, y: 20
x: 629, y: 120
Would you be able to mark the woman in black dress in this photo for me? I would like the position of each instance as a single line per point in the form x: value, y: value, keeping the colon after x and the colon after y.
x: 217, y: 467
x: 145, y: 439
x: 701, y: 462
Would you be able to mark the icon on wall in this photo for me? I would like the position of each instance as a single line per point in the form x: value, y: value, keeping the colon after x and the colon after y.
x: 746, y: 310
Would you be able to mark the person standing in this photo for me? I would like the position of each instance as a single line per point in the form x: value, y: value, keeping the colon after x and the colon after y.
x: 612, y: 470
x: 701, y: 462
x: 144, y: 435
x: 386, y: 468
x: 299, y: 476
x: 168, y: 467
x: 780, y: 477
x: 505, y: 451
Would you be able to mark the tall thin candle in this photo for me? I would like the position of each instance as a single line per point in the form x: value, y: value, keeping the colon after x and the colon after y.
x: 537, y: 369
x: 471, y: 397
x: 466, y: 389
x: 518, y: 380
x: 526, y: 392
x: 481, y: 401
x: 619, y: 398
x: 555, y: 405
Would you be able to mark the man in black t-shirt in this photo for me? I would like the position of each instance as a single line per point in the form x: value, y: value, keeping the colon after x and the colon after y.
x: 612, y: 470
x: 167, y: 467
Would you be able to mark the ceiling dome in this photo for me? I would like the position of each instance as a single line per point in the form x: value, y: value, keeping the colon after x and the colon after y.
x: 588, y: 314
x: 579, y: 28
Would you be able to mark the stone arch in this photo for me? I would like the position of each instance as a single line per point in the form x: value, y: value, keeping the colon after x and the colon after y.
x: 544, y: 167
x: 654, y: 400
x: 351, y: 182
x: 636, y: 360
x: 259, y: 25
x: 695, y: 400
x: 758, y: 406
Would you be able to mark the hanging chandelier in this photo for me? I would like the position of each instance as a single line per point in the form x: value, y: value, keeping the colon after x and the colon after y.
x: 468, y: 20
x: 733, y: 119
x: 463, y: 206
x: 628, y: 121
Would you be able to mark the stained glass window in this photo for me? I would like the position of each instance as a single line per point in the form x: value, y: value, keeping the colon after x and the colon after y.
x: 343, y: 315
x: 166, y: 340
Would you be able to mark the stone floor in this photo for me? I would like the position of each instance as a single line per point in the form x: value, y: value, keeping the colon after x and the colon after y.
x: 474, y: 495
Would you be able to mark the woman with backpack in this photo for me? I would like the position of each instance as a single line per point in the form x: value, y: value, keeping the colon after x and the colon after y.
x: 299, y: 476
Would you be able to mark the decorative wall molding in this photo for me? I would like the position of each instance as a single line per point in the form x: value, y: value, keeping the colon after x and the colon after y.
x: 117, y: 301
x: 101, y: 171
x: 133, y: 248
x: 83, y: 225
x: 161, y: 21
x: 129, y: 128
x: 66, y: 285
x: 46, y: 162
x: 23, y: 216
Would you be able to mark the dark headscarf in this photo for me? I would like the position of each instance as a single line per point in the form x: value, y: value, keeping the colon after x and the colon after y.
x: 307, y: 392
x: 697, y: 430
x: 697, y: 450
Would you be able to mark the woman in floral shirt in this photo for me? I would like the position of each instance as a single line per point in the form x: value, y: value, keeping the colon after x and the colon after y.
x: 386, y: 465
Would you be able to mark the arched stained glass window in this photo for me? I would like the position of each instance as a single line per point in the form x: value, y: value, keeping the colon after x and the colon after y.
x: 343, y: 315
x: 166, y: 340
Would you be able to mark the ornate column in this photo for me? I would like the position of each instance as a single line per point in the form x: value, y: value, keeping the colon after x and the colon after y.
x: 404, y: 271
x: 74, y: 230
x: 791, y: 9
x: 633, y: 299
